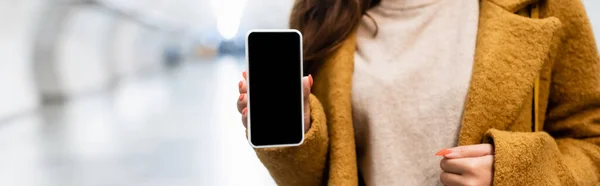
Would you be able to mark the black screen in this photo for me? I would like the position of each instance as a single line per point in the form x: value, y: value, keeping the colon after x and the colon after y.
x: 275, y: 88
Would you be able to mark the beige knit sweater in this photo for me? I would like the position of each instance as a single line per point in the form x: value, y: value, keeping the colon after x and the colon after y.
x: 409, y: 87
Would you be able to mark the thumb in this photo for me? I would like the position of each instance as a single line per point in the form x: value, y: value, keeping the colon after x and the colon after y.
x: 307, y: 85
x: 467, y: 151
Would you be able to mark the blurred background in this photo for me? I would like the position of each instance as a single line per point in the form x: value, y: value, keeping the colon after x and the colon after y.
x: 130, y: 92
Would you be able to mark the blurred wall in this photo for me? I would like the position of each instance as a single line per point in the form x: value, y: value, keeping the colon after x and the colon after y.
x: 17, y: 89
x: 82, y: 55
x: 123, y: 48
x: 87, y: 48
x: 265, y: 14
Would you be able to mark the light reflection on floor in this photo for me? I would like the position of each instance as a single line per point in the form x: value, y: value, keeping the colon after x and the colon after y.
x: 176, y: 128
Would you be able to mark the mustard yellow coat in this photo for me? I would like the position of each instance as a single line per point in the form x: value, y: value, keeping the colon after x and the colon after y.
x: 512, y: 50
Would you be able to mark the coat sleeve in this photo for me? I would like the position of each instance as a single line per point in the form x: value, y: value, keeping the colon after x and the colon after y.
x: 567, y: 151
x: 304, y: 164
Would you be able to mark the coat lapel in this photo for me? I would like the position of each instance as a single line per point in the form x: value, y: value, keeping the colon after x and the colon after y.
x: 510, y: 52
x: 332, y: 85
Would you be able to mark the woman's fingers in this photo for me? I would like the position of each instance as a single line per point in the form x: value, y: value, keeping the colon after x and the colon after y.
x: 456, y: 166
x: 471, y: 166
x: 467, y: 171
x: 242, y: 102
x: 245, y: 117
x: 467, y: 165
x: 243, y: 86
x: 451, y: 179
x: 306, y: 84
x: 469, y: 151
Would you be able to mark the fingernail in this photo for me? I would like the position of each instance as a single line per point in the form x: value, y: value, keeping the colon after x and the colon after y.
x: 244, y: 74
x: 240, y: 84
x: 310, y: 80
x: 443, y: 152
x: 454, y: 152
x: 244, y: 111
x: 241, y: 97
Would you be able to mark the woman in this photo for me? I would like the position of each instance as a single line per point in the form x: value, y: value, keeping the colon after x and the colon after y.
x: 509, y: 89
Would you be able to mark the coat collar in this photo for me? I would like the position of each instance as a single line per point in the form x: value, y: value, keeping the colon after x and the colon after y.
x: 510, y: 52
x: 509, y: 55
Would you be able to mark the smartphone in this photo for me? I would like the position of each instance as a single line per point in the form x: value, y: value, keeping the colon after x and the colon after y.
x: 275, y: 91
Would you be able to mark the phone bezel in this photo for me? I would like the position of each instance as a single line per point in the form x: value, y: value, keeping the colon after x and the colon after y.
x: 248, y: 76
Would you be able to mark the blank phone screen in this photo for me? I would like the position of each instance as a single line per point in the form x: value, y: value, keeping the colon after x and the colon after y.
x: 275, y: 88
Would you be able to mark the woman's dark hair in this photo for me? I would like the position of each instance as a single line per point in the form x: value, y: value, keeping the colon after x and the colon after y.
x: 325, y: 24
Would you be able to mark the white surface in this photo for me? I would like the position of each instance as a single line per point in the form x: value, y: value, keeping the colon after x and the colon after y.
x: 123, y: 47
x: 173, y: 129
x: 17, y: 91
x: 148, y: 49
x: 229, y: 14
x: 266, y: 14
x: 81, y: 55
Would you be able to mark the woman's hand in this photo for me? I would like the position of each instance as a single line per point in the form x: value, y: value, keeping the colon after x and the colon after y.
x: 242, y: 101
x: 470, y: 165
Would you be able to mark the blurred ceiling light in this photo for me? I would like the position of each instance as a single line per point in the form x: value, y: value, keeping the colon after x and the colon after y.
x: 228, y: 13
x: 228, y: 27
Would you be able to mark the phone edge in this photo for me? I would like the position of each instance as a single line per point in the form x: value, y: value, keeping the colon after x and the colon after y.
x: 301, y: 87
